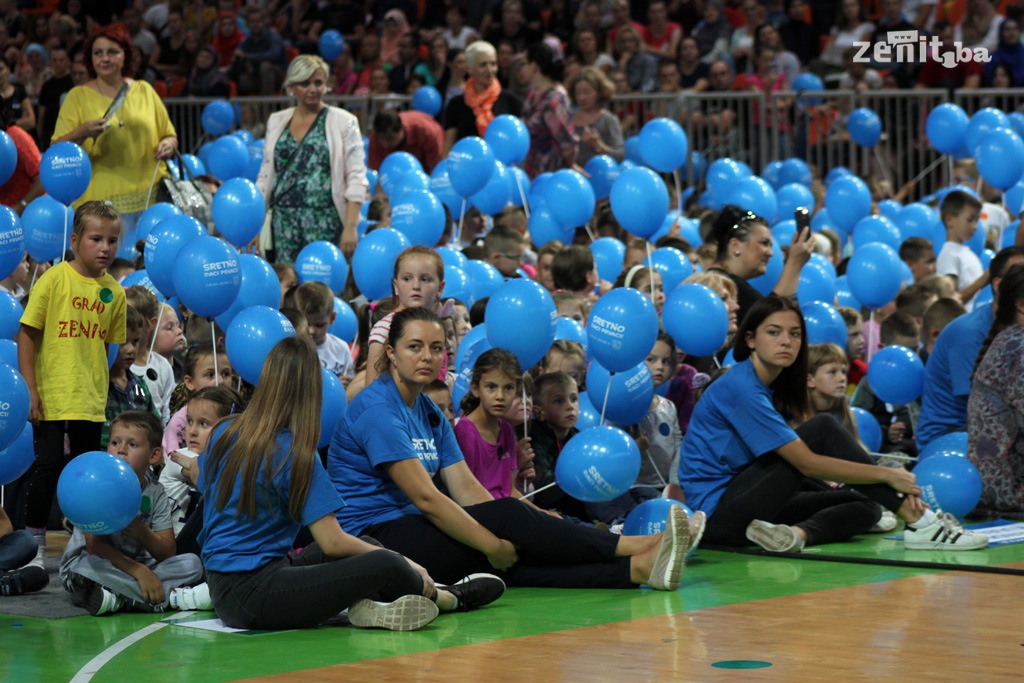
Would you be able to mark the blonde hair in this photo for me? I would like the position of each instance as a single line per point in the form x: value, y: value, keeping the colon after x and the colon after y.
x: 477, y: 48
x: 314, y: 298
x: 818, y: 356
x: 303, y: 67
x: 287, y: 398
x: 715, y: 281
x: 597, y: 80
x: 94, y: 210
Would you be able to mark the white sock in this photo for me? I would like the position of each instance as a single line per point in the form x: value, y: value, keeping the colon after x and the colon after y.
x: 925, y: 520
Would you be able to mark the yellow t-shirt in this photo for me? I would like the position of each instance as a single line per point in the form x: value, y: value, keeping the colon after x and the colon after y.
x: 122, y: 156
x: 77, y: 316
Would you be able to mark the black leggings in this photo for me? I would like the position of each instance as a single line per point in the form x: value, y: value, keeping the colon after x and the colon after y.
x: 48, y: 440
x: 772, y: 490
x: 553, y: 553
x: 307, y: 588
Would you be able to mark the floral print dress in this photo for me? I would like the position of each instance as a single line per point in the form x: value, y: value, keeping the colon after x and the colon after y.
x: 548, y: 117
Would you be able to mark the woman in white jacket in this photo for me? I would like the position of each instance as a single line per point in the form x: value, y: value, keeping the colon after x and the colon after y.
x: 314, y: 173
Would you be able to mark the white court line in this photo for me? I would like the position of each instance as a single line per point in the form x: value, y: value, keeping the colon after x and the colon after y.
x: 99, y: 661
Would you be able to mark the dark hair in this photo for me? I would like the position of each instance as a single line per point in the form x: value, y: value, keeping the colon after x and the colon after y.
x: 914, y: 300
x: 294, y: 315
x: 570, y: 266
x: 143, y: 300
x: 399, y: 322
x: 116, y: 33
x: 666, y: 339
x: 370, y: 315
x: 999, y: 262
x: 790, y: 388
x: 898, y: 324
x: 133, y: 320
x: 544, y: 57
x: 387, y: 121
x: 940, y: 314
x: 225, y: 397
x: 491, y: 360
x: 955, y: 202
x: 915, y: 249
x: 732, y: 221
x: 194, y: 353
x: 7, y: 115
x: 1011, y: 292
x: 549, y: 379
x: 477, y: 311
x: 146, y: 421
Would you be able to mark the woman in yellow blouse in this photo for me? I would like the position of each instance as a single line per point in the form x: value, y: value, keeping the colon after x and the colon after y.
x: 125, y: 146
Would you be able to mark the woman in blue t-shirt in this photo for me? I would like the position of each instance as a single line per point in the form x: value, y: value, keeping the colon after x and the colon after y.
x: 393, y: 440
x: 757, y: 479
x: 262, y: 480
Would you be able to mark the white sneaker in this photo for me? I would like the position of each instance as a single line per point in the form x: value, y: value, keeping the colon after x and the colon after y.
x: 191, y: 598
x: 775, y: 538
x: 944, y: 533
x: 667, y: 573
x: 407, y: 613
x: 885, y: 524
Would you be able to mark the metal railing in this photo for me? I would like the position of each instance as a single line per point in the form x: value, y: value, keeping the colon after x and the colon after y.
x: 748, y: 126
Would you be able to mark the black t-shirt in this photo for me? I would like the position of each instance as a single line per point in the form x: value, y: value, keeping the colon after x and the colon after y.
x: 700, y: 72
x: 459, y: 116
x: 15, y: 100
x: 50, y: 96
x: 746, y: 295
x: 170, y: 54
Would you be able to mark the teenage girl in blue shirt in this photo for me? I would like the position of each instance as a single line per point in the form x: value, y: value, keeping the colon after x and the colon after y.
x: 748, y: 470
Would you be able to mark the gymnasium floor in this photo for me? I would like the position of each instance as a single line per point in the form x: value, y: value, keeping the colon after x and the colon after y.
x: 737, y: 617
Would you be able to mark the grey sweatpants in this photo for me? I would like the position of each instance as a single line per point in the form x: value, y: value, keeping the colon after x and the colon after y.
x: 86, y: 570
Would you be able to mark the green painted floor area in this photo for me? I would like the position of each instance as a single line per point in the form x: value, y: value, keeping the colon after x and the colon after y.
x: 54, y: 650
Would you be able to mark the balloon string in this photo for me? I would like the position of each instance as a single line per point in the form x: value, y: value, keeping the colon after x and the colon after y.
x: 213, y: 339
x: 152, y: 342
x: 522, y: 195
x: 929, y: 168
x: 650, y: 269
x: 884, y: 167
x: 679, y: 190
x: 607, y: 391
x: 462, y: 215
x: 526, y: 421
x: 871, y: 347
x: 718, y: 363
x: 64, y: 244
x: 35, y: 271
x: 152, y: 183
x: 542, y: 488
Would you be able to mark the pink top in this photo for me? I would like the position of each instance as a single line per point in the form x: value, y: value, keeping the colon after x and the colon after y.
x: 491, y: 463
x: 174, y: 433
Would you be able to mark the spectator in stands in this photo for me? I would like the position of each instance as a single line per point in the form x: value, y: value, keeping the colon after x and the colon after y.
x: 34, y: 70
x: 24, y: 184
x: 66, y: 32
x: 599, y: 129
x: 14, y: 94
x: 435, y: 69
x: 458, y: 72
x: 935, y: 74
x: 669, y: 84
x: 920, y: 13
x: 344, y: 16
x: 858, y: 75
x: 264, y: 53
x: 767, y: 79
x: 797, y: 35
x: 713, y: 33
x: 786, y: 63
x: 892, y: 20
x: 468, y: 114
x: 408, y: 131
x: 620, y: 16
x: 979, y: 26
x: 394, y: 27
x: 168, y: 58
x: 369, y: 59
x: 851, y: 26
x: 200, y: 18
x: 407, y: 61
x: 206, y: 80
x: 455, y: 32
x: 79, y: 72
x: 741, y: 44
x: 16, y: 22
x: 227, y: 39
x: 714, y: 119
x: 641, y: 68
x: 693, y: 73
x: 661, y: 36
x: 547, y: 114
x: 559, y: 21
x: 1009, y: 55
x: 513, y: 27
x: 343, y: 72
x: 51, y: 93
x: 142, y: 37
x: 587, y: 51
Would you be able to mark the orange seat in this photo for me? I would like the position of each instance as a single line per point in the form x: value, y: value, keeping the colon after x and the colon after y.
x: 232, y: 90
x: 291, y: 52
x: 161, y: 89
x: 176, y: 88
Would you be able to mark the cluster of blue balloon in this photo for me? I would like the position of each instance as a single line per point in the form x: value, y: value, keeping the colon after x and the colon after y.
x: 230, y: 154
x: 991, y: 137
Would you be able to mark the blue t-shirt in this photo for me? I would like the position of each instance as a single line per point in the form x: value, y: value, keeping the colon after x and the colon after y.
x: 379, y: 428
x: 947, y: 375
x: 733, y: 423
x: 240, y: 543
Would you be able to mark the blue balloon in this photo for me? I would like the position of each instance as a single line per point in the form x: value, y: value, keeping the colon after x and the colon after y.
x: 66, y: 171
x: 915, y: 220
x: 12, y: 241
x: 622, y: 328
x: 1009, y: 235
x: 1017, y: 121
x: 770, y: 173
x: 1000, y: 157
x: 835, y: 173
x: 874, y: 275
x: 47, y: 224
x: 845, y: 297
x: 848, y: 200
x: 332, y: 406
x: 890, y: 208
x: 427, y: 100
x: 486, y: 278
x: 603, y: 171
x: 792, y: 197
x: 141, y: 277
x: 516, y: 301
x: 949, y: 483
x: 864, y: 127
x: 458, y: 285
x: 876, y: 228
x: 518, y: 182
x: 508, y: 138
x: 822, y: 260
x: 193, y: 164
x: 822, y: 221
x: 238, y: 211
x: 983, y: 122
x: 808, y: 81
x: 816, y: 284
x: 954, y: 443
x: 650, y: 517
x: 783, y: 231
x: 795, y: 171
x: 570, y: 198
x: 207, y: 276
x: 544, y: 227
x: 244, y: 135
x: 598, y: 465
x: 754, y: 194
x: 824, y: 324
x: 419, y: 215
x: 632, y: 150
x: 394, y: 166
x: 346, y: 325
x: 372, y: 177
x: 766, y: 283
x: 8, y: 354
x: 896, y: 375
x: 251, y: 335
x: 696, y: 319
x: 452, y: 257
x: 629, y: 393
x: 471, y: 346
x: 18, y: 456
x: 496, y: 194
x: 868, y: 428
x: 331, y: 45
x: 10, y: 316
x: 722, y: 175
x: 470, y: 165
x: 99, y: 493
x: 571, y: 330
x: 663, y: 144
x: 699, y: 164
x: 8, y: 157
x: 413, y: 181
x: 373, y: 263
x: 229, y: 158
x: 260, y: 287
x: 14, y: 405
x: 639, y: 201
x: 589, y: 416
x: 673, y: 265
x: 204, y: 152
x: 441, y: 186
x: 152, y: 216
x: 217, y: 117
x: 163, y: 245
x: 947, y: 127
x: 608, y: 254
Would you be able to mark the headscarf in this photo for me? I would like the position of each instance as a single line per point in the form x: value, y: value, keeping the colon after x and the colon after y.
x: 224, y: 46
x: 1011, y: 55
x: 202, y: 81
x: 36, y: 47
x: 388, y: 44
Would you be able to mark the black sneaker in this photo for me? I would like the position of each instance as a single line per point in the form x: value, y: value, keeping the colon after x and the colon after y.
x: 25, y: 580
x: 101, y: 601
x: 476, y: 590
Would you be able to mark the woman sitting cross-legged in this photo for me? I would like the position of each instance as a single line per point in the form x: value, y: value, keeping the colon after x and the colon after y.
x: 393, y: 439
